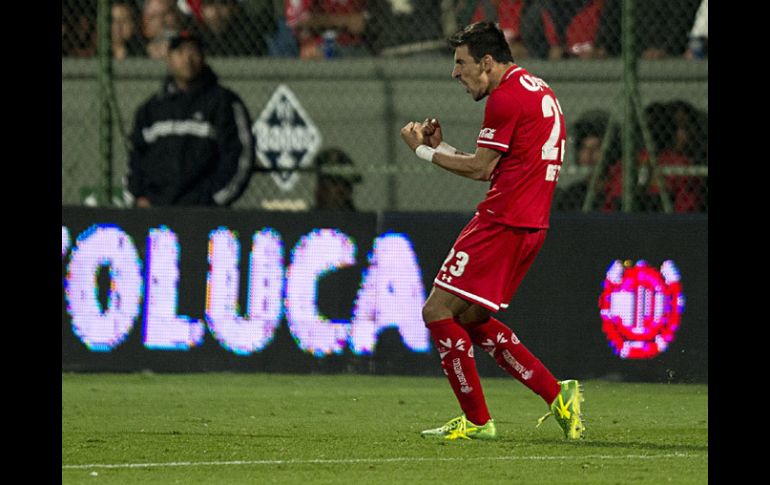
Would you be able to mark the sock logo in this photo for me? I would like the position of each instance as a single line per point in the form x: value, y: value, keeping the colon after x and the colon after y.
x: 489, y: 346
x: 514, y: 339
x: 458, y: 368
x: 523, y: 371
x: 446, y: 347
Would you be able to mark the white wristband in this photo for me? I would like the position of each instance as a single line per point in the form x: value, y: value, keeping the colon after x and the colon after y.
x: 446, y: 148
x: 425, y: 152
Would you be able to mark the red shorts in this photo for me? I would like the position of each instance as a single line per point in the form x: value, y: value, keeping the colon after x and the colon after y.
x: 488, y: 261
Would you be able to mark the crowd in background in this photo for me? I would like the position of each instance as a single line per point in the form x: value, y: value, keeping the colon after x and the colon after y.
x: 317, y: 29
x: 679, y: 133
x: 536, y: 29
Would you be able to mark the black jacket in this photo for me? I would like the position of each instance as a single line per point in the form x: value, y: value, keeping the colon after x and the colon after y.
x: 193, y: 147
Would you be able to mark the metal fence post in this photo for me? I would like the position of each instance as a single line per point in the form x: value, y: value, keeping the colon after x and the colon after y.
x: 389, y: 116
x: 104, y: 20
x: 629, y: 83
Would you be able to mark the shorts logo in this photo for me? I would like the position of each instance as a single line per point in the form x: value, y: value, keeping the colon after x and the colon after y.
x: 487, y: 133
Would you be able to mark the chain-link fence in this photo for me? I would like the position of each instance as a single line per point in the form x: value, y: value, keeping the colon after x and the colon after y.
x: 329, y: 83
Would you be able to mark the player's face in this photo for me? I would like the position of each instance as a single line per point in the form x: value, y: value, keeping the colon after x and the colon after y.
x: 470, y: 73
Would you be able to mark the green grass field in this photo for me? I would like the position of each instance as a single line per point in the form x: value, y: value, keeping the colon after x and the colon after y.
x: 271, y: 428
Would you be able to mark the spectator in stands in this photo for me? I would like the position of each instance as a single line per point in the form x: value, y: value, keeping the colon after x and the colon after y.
x: 328, y: 28
x: 557, y: 29
x: 507, y: 14
x: 78, y: 28
x: 334, y: 190
x: 661, y: 28
x: 160, y: 19
x: 192, y: 142
x: 698, y: 44
x: 679, y: 134
x: 406, y: 27
x: 589, y: 133
x: 126, y: 39
x: 228, y: 31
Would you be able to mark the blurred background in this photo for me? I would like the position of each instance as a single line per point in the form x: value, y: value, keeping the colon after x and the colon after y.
x: 631, y: 78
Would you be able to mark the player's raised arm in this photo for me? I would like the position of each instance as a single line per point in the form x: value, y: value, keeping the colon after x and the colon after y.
x: 427, y: 142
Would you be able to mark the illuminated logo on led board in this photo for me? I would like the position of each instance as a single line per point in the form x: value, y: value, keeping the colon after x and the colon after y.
x: 641, y: 308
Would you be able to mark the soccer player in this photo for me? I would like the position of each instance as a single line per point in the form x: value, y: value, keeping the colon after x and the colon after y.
x: 519, y: 150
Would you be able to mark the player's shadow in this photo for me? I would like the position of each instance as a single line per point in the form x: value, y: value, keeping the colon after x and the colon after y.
x: 207, y: 433
x: 629, y: 445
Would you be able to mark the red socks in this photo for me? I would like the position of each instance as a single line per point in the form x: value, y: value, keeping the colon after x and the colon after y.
x: 456, y: 350
x: 511, y: 355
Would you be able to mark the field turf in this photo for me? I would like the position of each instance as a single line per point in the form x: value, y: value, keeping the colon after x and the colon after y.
x: 336, y: 429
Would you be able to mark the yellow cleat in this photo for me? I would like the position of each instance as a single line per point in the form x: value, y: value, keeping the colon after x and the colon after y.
x: 566, y: 410
x: 461, y: 428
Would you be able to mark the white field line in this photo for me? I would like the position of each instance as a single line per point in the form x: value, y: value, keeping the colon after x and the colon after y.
x: 348, y: 461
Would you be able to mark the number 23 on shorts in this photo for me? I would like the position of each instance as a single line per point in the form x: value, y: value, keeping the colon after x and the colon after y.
x: 458, y: 268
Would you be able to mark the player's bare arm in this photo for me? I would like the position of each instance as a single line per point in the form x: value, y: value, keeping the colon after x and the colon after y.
x: 476, y: 166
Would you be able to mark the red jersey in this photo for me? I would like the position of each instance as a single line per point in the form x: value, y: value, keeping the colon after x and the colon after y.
x: 508, y: 17
x: 523, y: 121
x: 580, y: 34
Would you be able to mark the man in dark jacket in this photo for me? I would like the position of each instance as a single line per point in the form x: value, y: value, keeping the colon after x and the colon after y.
x: 192, y: 142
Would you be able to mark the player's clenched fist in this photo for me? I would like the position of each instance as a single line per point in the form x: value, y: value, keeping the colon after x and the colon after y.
x: 412, y: 134
x: 431, y: 131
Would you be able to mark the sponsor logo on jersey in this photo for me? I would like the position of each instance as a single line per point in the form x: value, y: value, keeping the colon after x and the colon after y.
x: 487, y: 133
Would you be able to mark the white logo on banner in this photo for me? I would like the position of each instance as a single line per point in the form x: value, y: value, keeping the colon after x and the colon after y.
x: 286, y: 138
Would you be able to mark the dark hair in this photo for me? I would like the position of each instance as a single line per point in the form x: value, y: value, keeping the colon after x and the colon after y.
x: 329, y: 158
x: 483, y: 38
x: 591, y: 123
x: 179, y: 38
